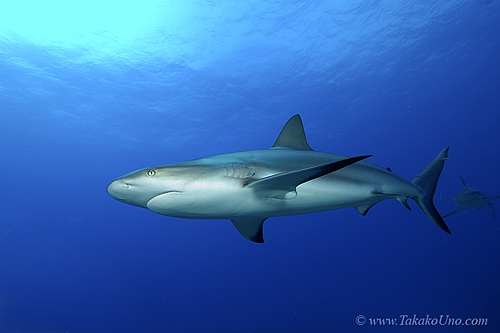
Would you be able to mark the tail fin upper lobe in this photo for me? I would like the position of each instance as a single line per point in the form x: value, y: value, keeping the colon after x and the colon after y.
x: 427, y: 181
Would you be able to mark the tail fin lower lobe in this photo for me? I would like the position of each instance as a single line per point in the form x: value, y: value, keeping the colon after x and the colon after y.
x: 427, y: 181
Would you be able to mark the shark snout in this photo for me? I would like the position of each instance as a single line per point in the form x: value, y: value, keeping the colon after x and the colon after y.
x: 118, y: 189
x: 132, y: 191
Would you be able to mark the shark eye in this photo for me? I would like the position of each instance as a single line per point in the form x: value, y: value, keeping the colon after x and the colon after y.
x: 151, y: 173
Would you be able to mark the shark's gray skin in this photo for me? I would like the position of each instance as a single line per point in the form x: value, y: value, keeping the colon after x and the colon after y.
x: 469, y: 198
x: 287, y: 179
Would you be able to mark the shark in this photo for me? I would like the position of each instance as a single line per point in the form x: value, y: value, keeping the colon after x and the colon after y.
x: 469, y: 198
x: 290, y: 178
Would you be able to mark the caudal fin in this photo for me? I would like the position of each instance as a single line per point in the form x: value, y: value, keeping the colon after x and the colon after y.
x: 427, y: 180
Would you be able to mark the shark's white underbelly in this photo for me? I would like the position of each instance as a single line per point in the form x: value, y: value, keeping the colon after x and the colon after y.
x: 229, y: 201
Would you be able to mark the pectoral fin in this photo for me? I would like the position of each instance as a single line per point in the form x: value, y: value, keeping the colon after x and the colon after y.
x: 453, y: 211
x: 279, y: 185
x: 250, y: 228
x: 492, y: 209
x: 363, y: 209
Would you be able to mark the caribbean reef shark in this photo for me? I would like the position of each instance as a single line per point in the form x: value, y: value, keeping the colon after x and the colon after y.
x: 287, y: 179
x: 467, y: 197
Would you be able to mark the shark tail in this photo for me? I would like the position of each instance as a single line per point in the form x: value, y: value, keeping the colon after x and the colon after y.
x: 427, y: 181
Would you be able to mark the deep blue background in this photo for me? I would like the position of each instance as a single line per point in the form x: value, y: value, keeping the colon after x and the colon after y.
x: 397, y: 79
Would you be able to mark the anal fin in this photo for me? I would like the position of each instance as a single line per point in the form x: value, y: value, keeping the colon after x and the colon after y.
x: 404, y: 202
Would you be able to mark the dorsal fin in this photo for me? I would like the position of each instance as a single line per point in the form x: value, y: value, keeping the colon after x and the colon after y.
x: 292, y: 136
x: 463, y: 182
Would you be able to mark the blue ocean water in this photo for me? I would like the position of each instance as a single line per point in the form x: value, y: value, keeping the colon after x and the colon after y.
x: 91, y: 91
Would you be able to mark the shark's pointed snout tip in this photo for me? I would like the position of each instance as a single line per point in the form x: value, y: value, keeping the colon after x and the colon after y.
x: 116, y: 188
